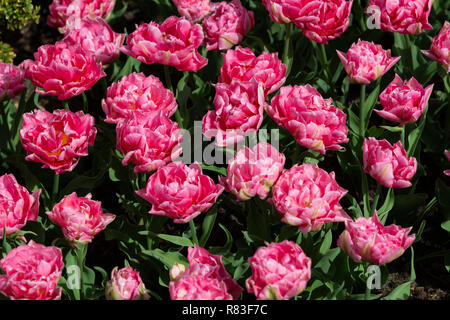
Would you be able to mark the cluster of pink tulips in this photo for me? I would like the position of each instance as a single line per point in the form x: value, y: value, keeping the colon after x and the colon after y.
x: 248, y: 87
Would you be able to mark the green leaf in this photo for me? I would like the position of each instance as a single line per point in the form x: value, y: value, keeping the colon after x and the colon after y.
x: 326, y: 243
x: 167, y: 258
x: 402, y: 292
x: 387, y: 205
x: 228, y: 244
x: 181, y: 241
x: 369, y: 103
x: 103, y: 273
x: 208, y: 225
x: 325, y: 262
x: 221, y: 171
x: 88, y: 280
x: 414, y: 136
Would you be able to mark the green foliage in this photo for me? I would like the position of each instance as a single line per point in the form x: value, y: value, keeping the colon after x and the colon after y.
x: 15, y: 14
x: 7, y: 54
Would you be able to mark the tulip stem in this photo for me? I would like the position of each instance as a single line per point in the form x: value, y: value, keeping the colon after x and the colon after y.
x: 362, y: 125
x: 178, y: 116
x: 326, y: 70
x: 5, y: 124
x: 80, y: 253
x: 55, y: 187
x: 375, y: 199
x: 66, y: 105
x: 193, y: 232
x: 367, y: 295
x: 287, y: 44
x: 85, y: 102
x: 402, y: 135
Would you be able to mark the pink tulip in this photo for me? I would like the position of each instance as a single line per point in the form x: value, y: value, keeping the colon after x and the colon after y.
x: 199, y: 288
x: 440, y: 47
x: 63, y: 70
x: 388, y: 164
x: 227, y: 26
x: 58, y: 139
x: 12, y: 81
x: 80, y: 218
x: 205, y: 279
x: 172, y: 43
x: 403, y: 16
x: 322, y: 21
x: 17, y: 205
x: 194, y: 10
x: 253, y: 171
x: 149, y: 140
x: 307, y: 196
x: 137, y: 92
x: 447, y: 154
x: 180, y: 192
x: 278, y: 10
x: 313, y: 121
x: 366, y: 239
x: 125, y: 284
x: 32, y: 272
x: 62, y: 10
x: 242, y: 64
x: 404, y: 102
x: 95, y: 36
x: 280, y: 271
x: 239, y: 111
x: 366, y: 61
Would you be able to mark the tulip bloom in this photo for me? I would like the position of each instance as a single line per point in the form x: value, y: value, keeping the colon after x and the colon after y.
x: 32, y: 272
x: 447, y: 154
x: 80, y: 218
x: 58, y: 139
x: 322, y: 21
x: 227, y: 26
x: 365, y: 61
x: 308, y: 197
x: 63, y: 70
x: 172, y: 43
x: 242, y: 64
x: 205, y: 279
x: 180, y: 192
x: 366, y: 239
x: 388, y: 164
x: 239, y: 111
x: 253, y: 171
x: 403, y: 16
x: 194, y: 10
x: 12, y: 81
x: 125, y: 284
x: 137, y: 92
x: 404, y: 102
x: 440, y: 47
x: 280, y: 271
x: 149, y: 140
x: 17, y: 205
x: 96, y: 37
x: 313, y: 121
x: 63, y: 10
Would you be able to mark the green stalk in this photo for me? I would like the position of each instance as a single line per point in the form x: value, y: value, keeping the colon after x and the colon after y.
x: 66, y: 105
x: 178, y: 116
x: 375, y: 200
x: 85, y: 102
x: 326, y: 68
x: 55, y: 187
x: 287, y: 44
x: 5, y: 123
x: 362, y: 124
x: 402, y: 135
x: 193, y: 232
x: 80, y: 253
x: 367, y: 294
